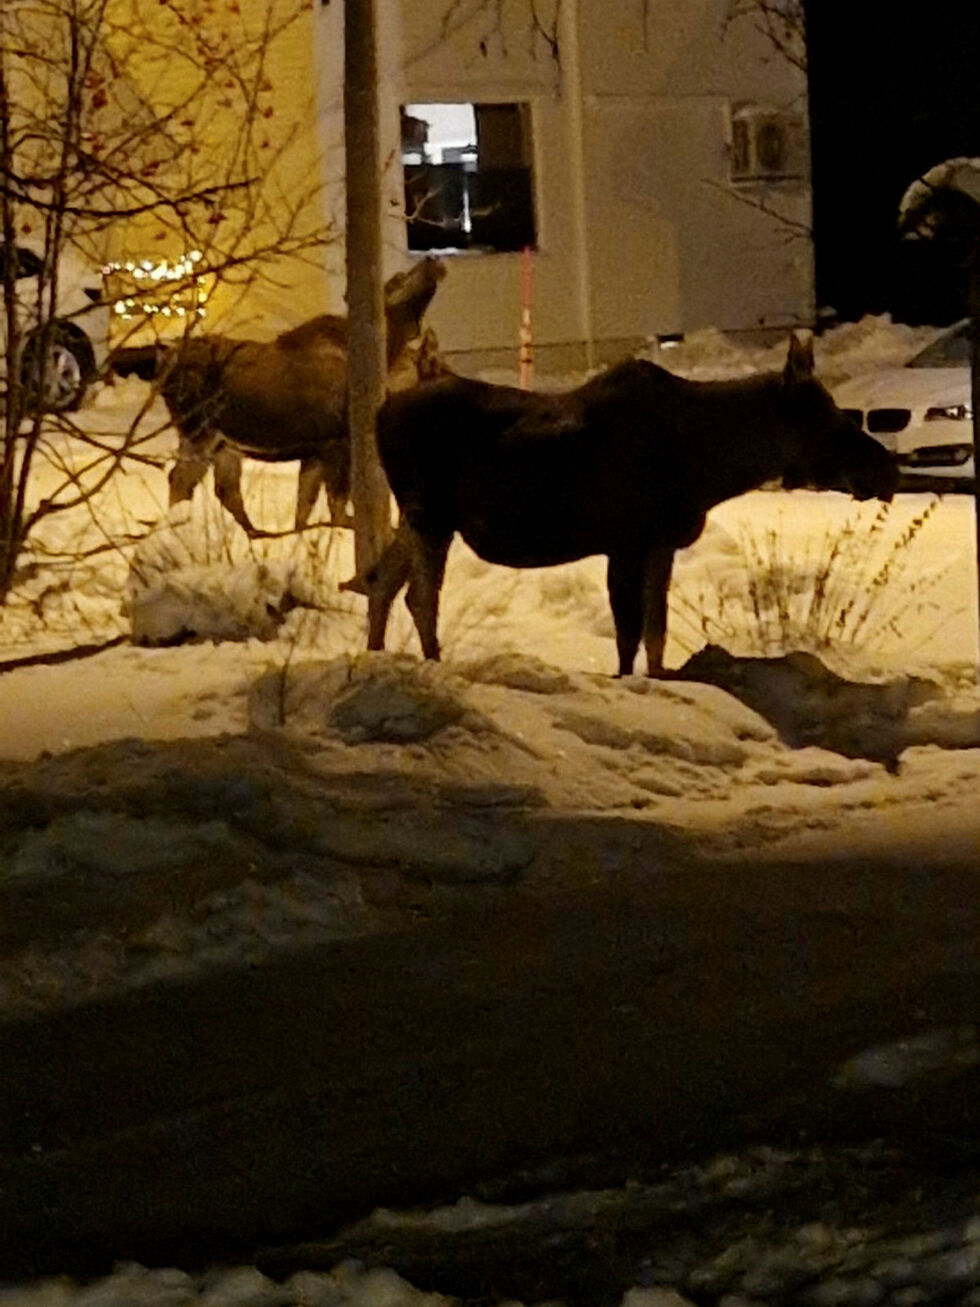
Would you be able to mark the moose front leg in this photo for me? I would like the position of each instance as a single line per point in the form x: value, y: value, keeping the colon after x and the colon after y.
x: 624, y: 580
x: 656, y: 584
x: 228, y: 486
x: 428, y: 568
x: 190, y: 469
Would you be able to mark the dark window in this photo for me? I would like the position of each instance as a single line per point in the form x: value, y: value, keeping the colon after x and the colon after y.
x: 468, y: 182
x: 770, y: 144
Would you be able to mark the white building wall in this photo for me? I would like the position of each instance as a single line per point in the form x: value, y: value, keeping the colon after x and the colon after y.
x: 329, y: 70
x: 638, y: 232
x: 682, y: 246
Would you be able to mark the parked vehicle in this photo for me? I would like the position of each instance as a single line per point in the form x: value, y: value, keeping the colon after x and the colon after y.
x: 922, y: 412
x: 79, y: 331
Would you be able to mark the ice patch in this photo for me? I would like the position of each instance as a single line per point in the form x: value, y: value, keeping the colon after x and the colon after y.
x: 697, y: 745
x: 812, y: 766
x: 939, y: 1052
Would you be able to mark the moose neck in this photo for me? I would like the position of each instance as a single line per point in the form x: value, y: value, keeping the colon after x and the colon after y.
x: 401, y: 327
x: 741, y: 435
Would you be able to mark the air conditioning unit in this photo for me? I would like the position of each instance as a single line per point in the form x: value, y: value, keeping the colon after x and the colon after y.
x: 767, y: 145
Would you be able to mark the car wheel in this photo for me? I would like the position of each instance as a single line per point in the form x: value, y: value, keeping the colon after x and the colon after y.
x: 58, y: 382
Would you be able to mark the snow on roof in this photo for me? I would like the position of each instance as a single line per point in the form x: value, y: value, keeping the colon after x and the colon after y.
x: 917, y: 207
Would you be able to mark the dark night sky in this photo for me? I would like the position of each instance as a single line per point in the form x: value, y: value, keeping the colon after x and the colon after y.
x: 894, y: 88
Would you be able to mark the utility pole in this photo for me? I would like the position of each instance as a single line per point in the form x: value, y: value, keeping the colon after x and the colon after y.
x: 367, y: 360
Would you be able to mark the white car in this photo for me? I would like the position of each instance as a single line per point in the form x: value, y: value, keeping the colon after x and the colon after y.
x: 80, y: 329
x: 922, y: 412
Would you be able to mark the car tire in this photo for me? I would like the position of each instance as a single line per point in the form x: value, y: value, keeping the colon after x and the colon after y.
x: 60, y: 384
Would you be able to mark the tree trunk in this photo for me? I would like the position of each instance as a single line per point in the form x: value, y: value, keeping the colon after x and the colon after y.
x: 365, y: 291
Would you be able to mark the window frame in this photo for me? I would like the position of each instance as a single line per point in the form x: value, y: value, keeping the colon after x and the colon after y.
x: 472, y: 212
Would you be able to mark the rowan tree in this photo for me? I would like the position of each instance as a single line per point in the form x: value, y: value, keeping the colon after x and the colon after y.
x: 143, y: 135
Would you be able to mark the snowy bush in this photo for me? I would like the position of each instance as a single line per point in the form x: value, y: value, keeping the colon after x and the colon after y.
x: 844, y: 590
x: 198, y: 576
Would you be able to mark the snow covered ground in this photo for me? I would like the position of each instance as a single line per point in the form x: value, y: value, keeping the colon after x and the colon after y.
x: 880, y: 741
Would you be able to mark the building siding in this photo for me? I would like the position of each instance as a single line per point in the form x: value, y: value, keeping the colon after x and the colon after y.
x: 640, y: 232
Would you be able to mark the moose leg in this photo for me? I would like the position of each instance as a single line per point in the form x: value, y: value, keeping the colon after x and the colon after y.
x: 228, y: 486
x: 335, y: 463
x: 384, y: 580
x: 311, y: 477
x: 337, y: 504
x: 428, y: 567
x: 193, y: 461
x: 656, y: 583
x: 624, y: 580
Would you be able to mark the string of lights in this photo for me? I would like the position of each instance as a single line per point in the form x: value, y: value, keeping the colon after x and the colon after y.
x: 170, y: 289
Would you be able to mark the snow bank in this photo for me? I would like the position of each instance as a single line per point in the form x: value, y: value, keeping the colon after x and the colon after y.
x: 839, y: 353
x: 132, y: 1285
x: 192, y: 578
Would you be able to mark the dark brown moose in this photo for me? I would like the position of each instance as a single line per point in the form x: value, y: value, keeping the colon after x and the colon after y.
x: 275, y: 401
x: 627, y: 465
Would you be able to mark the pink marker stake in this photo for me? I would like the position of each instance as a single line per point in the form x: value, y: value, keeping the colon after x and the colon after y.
x: 525, y: 349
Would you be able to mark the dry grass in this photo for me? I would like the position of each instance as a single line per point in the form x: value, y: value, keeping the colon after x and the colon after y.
x: 850, y: 589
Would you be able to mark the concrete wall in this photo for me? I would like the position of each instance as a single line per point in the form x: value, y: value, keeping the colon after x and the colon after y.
x: 639, y: 232
x: 674, y: 245
x: 289, y: 289
x: 275, y: 145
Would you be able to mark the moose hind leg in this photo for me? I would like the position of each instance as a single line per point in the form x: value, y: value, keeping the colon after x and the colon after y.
x: 656, y: 584
x: 624, y: 579
x: 428, y: 568
x: 384, y: 580
x: 311, y: 478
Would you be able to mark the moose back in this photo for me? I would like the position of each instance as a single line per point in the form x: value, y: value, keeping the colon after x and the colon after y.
x: 627, y: 465
x: 275, y: 400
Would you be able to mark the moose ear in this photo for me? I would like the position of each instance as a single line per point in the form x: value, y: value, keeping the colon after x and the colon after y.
x: 799, y: 364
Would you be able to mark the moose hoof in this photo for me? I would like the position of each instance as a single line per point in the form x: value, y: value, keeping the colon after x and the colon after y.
x: 356, y: 585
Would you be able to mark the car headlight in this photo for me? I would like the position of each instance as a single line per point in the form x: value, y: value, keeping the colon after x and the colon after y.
x: 952, y: 412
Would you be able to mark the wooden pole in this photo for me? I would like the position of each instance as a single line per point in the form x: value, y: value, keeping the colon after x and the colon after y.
x: 525, y: 349
x: 365, y: 287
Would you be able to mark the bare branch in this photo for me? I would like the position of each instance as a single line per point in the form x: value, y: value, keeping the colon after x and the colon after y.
x: 144, y: 127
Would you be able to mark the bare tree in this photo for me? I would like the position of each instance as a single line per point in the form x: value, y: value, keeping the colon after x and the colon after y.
x: 127, y: 127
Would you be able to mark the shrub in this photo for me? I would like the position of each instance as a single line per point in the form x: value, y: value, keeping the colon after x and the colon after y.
x: 848, y: 589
